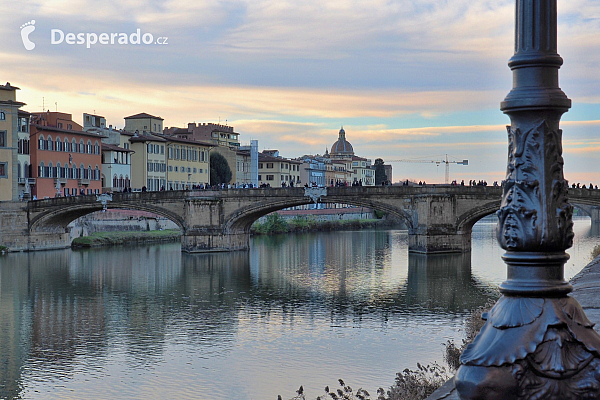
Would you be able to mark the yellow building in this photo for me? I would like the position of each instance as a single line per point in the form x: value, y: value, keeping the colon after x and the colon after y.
x: 143, y: 123
x: 187, y: 163
x: 149, y: 162
x: 11, y: 119
x: 275, y: 170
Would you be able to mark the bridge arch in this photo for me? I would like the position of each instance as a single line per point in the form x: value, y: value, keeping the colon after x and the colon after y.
x: 56, y: 219
x: 242, y: 219
x: 466, y: 221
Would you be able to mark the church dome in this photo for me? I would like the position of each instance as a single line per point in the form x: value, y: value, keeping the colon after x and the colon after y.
x: 342, y: 147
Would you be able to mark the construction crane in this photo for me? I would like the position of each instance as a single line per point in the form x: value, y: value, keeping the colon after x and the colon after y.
x: 437, y: 162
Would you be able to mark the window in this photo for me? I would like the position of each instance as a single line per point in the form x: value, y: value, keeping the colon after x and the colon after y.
x: 74, y: 147
x: 23, y: 146
x: 2, y: 138
x: 2, y: 116
x: 260, y: 165
x: 3, y: 170
x: 150, y: 148
x: 176, y: 169
x: 270, y: 177
x: 269, y: 165
x: 81, y: 146
x: 23, y: 124
x: 170, y: 168
x: 89, y: 147
x: 96, y: 148
x: 170, y: 153
x: 59, y: 125
x: 41, y: 143
x: 49, y: 144
x: 260, y: 178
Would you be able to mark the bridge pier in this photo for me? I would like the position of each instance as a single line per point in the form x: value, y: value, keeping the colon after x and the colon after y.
x: 48, y: 241
x: 205, y: 242
x: 434, y: 227
x: 442, y: 240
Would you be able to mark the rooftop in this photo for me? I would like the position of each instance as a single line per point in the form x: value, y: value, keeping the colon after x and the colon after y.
x: 142, y: 115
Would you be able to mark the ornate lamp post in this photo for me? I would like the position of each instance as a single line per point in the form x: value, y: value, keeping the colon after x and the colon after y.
x: 537, y: 342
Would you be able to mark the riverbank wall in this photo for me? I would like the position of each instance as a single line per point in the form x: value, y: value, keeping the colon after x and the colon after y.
x: 118, y: 221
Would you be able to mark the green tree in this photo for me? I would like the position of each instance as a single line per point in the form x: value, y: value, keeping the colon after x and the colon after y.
x: 219, y: 169
x: 380, y: 175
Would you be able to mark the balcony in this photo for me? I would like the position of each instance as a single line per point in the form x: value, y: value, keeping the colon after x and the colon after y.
x: 61, y: 181
x: 26, y: 181
x: 83, y: 182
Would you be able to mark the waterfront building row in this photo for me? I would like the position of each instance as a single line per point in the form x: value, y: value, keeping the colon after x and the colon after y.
x: 47, y: 154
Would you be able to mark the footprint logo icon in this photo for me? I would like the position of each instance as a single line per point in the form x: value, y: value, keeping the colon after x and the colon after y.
x: 26, y: 29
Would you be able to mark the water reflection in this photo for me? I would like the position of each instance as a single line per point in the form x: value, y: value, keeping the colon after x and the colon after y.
x: 129, y: 322
x: 444, y: 283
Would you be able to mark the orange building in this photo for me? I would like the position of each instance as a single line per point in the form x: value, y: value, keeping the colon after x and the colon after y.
x: 65, y: 160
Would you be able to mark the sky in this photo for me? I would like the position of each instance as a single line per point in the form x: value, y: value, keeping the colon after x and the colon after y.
x: 407, y: 79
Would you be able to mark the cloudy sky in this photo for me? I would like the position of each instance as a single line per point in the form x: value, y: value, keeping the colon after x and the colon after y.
x: 407, y: 79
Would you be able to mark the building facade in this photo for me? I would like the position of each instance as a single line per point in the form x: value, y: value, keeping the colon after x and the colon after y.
x: 313, y: 170
x: 187, y: 163
x: 275, y: 170
x: 65, y: 160
x: 116, y: 168
x: 148, y: 160
x: 143, y: 124
x: 217, y: 134
x: 14, y: 164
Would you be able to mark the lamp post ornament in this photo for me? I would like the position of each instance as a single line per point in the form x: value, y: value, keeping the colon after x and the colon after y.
x: 537, y: 342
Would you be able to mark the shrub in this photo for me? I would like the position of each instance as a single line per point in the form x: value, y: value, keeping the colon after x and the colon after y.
x: 416, y: 384
x: 274, y: 223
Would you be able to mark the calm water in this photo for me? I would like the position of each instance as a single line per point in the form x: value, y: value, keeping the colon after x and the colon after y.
x: 152, y: 323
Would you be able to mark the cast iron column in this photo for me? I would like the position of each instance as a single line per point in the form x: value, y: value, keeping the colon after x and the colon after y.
x: 537, y: 342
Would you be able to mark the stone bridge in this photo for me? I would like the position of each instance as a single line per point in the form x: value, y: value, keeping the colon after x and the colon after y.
x: 439, y: 217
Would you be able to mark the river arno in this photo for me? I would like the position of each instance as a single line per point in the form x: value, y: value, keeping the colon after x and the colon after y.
x: 149, y: 322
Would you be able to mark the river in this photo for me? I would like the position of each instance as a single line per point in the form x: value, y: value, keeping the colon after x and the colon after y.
x: 149, y: 322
